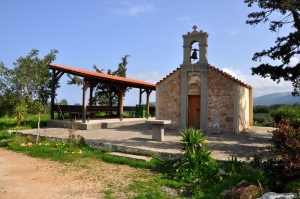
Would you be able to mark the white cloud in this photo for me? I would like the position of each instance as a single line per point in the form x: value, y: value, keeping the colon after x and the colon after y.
x: 133, y: 9
x: 261, y: 86
x: 230, y: 32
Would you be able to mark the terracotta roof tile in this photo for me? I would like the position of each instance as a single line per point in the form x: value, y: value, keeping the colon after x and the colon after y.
x: 229, y: 76
x: 168, y: 75
x: 101, y: 76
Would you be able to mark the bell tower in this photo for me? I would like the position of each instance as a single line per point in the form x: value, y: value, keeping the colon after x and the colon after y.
x: 188, y: 40
x: 194, y: 78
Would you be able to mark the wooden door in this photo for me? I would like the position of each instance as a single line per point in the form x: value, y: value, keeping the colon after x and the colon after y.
x: 194, y: 111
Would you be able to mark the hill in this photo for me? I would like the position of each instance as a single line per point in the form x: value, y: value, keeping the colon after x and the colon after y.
x: 276, y: 98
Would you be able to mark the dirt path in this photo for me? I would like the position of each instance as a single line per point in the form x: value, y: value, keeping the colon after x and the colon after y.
x: 25, y: 177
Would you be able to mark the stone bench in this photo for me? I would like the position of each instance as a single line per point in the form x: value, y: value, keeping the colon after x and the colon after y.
x: 158, y: 129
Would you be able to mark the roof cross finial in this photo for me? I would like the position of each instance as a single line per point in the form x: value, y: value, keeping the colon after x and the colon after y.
x: 195, y: 28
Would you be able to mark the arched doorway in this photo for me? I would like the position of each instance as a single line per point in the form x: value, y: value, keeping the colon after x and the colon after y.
x: 194, y: 100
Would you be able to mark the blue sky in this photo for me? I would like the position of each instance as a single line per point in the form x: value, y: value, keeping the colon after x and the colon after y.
x: 100, y: 32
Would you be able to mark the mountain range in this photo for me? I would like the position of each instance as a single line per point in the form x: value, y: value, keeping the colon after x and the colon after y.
x: 276, y: 98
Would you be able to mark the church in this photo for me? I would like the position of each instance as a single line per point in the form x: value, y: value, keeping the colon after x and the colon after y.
x: 200, y: 95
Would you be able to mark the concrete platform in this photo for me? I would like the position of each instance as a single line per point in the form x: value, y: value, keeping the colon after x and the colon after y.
x: 99, y: 123
x: 137, y: 139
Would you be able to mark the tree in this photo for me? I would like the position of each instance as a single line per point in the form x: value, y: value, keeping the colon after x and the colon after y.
x: 63, y: 102
x: 31, y: 80
x: 8, y: 95
x: 39, y: 108
x: 20, y: 112
x: 105, y: 94
x: 30, y: 77
x: 286, y: 47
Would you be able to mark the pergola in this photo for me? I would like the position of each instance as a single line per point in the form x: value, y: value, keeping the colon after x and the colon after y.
x: 91, y: 78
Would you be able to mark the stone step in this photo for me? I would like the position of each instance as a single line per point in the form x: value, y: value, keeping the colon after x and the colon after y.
x: 135, y: 157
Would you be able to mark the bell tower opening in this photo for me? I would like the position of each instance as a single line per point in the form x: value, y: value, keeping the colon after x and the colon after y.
x: 195, y: 46
x: 194, y: 51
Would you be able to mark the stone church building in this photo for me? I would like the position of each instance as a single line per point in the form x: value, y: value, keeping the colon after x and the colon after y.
x: 202, y: 96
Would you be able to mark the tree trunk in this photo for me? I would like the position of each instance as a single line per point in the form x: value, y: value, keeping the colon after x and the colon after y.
x: 17, y: 127
x: 38, y: 129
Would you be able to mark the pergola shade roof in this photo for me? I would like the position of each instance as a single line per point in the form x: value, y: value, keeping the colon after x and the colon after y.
x: 103, y: 78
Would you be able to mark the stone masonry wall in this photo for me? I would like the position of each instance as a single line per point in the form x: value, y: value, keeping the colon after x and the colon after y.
x: 169, y: 100
x: 220, y: 103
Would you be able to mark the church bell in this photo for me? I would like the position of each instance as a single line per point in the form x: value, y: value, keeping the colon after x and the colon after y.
x: 194, y: 55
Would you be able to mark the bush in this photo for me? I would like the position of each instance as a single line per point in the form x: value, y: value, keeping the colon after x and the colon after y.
x: 293, y: 186
x: 275, y: 106
x: 262, y: 119
x: 286, y: 143
x: 196, y: 158
x: 287, y: 113
x: 192, y: 144
x: 261, y: 109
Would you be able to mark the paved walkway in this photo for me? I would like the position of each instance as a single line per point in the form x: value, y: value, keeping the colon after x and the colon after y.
x: 137, y: 137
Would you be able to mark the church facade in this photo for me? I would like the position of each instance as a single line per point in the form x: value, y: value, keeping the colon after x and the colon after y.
x: 202, y: 96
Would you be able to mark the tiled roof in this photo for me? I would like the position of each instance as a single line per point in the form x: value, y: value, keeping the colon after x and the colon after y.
x: 227, y: 75
x: 168, y: 75
x: 103, y: 78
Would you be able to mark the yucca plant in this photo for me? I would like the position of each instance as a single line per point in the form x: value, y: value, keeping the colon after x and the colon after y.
x: 192, y: 144
x: 191, y: 138
x: 20, y: 112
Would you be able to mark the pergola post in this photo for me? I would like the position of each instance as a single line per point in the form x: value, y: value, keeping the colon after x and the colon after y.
x: 148, y: 102
x: 121, y: 100
x: 52, y: 94
x: 84, y: 88
x: 140, y: 100
x: 140, y: 97
x: 91, y: 95
x: 55, y: 77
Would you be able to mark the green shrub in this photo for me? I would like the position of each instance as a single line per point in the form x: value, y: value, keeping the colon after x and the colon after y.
x: 275, y: 106
x: 293, y: 186
x: 287, y: 113
x: 261, y: 109
x: 262, y: 119
x: 192, y: 144
x: 191, y: 139
x: 286, y: 143
x: 196, y: 160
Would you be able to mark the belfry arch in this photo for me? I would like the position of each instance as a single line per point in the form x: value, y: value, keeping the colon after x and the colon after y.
x: 193, y: 76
